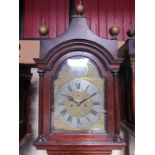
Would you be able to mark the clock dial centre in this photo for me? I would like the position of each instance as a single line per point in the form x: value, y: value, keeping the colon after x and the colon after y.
x: 74, y: 107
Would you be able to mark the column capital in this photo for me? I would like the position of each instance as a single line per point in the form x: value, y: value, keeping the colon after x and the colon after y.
x: 115, y: 72
x: 41, y: 72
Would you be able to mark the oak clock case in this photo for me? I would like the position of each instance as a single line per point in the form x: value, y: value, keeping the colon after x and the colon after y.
x: 79, y: 98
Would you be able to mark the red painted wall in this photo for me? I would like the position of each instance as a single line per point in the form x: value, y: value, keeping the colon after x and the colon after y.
x: 54, y: 12
x: 101, y: 15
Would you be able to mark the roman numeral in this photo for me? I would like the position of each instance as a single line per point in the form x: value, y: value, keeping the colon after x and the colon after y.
x: 69, y: 119
x: 78, y: 85
x: 63, y: 112
x: 70, y: 88
x: 78, y: 121
x: 94, y: 112
x: 96, y: 103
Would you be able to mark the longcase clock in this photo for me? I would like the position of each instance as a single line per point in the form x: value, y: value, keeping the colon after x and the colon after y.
x: 79, y: 93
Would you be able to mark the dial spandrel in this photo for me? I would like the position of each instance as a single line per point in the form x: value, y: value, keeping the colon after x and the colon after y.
x: 78, y: 99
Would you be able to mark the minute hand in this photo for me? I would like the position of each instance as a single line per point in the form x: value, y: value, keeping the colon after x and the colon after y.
x: 87, y: 98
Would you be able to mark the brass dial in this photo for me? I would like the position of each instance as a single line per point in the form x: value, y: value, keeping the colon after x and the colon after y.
x: 78, y: 97
x: 78, y: 104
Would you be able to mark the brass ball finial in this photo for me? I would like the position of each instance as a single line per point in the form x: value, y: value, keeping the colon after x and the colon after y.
x: 114, y: 31
x: 43, y: 30
x: 79, y: 8
x: 131, y: 32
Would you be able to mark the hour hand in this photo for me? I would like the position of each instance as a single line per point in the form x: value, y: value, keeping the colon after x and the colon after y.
x: 70, y: 98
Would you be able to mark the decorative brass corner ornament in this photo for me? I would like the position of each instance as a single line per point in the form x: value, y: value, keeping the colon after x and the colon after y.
x: 114, y: 31
x: 79, y: 9
x: 131, y: 32
x: 43, y: 30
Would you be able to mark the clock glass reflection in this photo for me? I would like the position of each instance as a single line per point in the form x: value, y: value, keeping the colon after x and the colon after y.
x: 78, y: 66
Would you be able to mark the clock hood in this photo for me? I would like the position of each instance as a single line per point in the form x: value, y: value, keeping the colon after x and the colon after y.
x: 78, y: 29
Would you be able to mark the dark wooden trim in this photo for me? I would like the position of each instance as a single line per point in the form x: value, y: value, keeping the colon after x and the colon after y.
x: 25, y: 71
x: 78, y: 148
x: 127, y: 75
x: 71, y: 9
x: 24, y: 103
x: 28, y: 65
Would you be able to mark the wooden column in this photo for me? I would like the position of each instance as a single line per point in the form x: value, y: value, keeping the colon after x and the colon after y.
x: 116, y: 105
x: 41, y: 86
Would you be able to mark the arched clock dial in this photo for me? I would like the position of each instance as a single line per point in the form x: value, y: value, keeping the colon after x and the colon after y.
x: 78, y: 104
